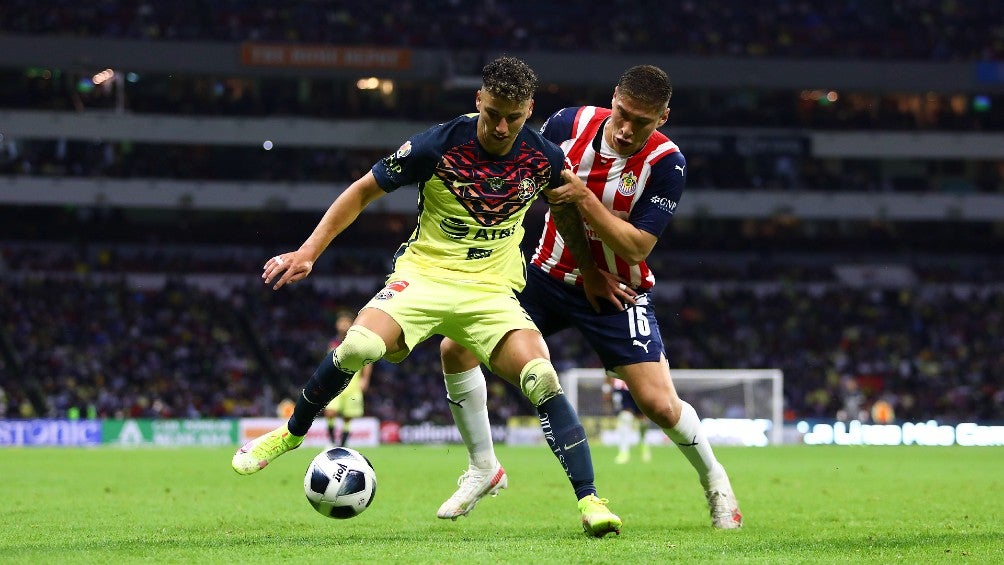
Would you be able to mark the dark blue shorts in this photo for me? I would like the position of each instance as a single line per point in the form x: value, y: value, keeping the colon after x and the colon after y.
x: 619, y: 338
x: 623, y: 400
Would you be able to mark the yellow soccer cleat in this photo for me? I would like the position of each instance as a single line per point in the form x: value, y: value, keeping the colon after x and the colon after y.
x: 597, y: 519
x: 254, y: 455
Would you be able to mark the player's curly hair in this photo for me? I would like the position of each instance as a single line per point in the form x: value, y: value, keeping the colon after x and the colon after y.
x: 646, y: 83
x: 509, y: 78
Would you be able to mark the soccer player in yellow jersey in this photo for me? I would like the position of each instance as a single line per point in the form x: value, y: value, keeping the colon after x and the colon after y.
x: 348, y: 405
x: 456, y: 276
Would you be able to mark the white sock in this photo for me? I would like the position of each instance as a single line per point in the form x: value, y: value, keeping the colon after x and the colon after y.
x: 625, y: 430
x: 468, y: 389
x: 688, y: 435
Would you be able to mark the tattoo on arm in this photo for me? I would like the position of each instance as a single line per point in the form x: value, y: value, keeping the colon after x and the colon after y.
x: 569, y: 223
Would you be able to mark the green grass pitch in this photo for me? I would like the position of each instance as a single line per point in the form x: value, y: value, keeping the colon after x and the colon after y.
x: 801, y: 505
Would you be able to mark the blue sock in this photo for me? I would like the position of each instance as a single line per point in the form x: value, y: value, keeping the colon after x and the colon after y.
x: 567, y: 440
x: 325, y: 384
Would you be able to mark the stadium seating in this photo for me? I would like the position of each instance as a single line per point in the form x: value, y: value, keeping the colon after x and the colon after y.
x: 152, y: 306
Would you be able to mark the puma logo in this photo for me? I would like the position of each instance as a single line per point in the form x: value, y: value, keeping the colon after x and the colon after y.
x: 680, y: 168
x: 641, y: 345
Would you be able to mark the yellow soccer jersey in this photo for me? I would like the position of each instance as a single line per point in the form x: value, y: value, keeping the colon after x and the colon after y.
x: 471, y: 204
x: 355, y: 387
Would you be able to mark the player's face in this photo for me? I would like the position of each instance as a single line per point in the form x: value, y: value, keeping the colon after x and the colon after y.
x: 632, y: 123
x: 499, y: 121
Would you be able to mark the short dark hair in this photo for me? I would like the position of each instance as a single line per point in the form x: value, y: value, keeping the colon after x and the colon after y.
x: 509, y: 78
x: 646, y: 83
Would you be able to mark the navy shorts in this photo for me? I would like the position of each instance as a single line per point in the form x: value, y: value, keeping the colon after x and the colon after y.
x: 623, y: 400
x: 618, y: 337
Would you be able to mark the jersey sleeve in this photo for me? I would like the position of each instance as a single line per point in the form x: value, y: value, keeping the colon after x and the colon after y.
x: 412, y: 163
x: 558, y: 162
x: 555, y: 156
x: 657, y: 204
x: 558, y: 127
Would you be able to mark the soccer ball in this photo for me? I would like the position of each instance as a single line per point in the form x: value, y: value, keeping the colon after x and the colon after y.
x: 340, y: 483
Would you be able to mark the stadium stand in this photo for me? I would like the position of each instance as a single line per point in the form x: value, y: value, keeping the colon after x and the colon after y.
x: 902, y: 29
x: 842, y: 220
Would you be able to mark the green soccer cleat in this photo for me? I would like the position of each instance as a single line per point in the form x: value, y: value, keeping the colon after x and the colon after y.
x: 254, y: 455
x: 597, y: 519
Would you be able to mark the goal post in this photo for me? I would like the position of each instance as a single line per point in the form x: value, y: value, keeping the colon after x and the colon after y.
x: 722, y: 397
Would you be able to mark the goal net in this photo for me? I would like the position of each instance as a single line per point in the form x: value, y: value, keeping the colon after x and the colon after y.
x: 737, y: 406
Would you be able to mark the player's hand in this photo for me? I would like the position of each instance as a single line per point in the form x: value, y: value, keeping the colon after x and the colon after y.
x: 598, y: 284
x: 289, y: 267
x: 572, y: 192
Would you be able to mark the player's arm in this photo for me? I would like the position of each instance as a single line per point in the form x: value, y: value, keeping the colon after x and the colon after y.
x: 296, y: 265
x: 595, y: 283
x: 627, y: 241
x: 569, y: 224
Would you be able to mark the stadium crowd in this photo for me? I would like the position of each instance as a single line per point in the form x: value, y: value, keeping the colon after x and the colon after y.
x: 100, y: 160
x: 325, y: 98
x: 82, y: 336
x: 97, y: 345
x: 902, y: 29
x: 103, y: 348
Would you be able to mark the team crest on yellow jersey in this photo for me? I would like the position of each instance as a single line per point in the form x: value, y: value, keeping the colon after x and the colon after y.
x: 496, y: 184
x: 527, y: 188
x: 628, y: 184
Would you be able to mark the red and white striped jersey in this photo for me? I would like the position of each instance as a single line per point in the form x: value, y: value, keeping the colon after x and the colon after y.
x: 645, y: 186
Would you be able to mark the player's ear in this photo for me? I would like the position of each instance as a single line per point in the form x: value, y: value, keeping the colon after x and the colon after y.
x: 477, y: 99
x: 664, y: 118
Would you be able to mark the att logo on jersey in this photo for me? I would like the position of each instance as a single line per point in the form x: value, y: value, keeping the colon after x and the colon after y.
x: 454, y: 228
x: 492, y: 235
x: 664, y: 203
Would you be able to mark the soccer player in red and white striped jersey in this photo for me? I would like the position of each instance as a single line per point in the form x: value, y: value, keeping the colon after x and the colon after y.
x: 639, y: 188
x: 625, y: 178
